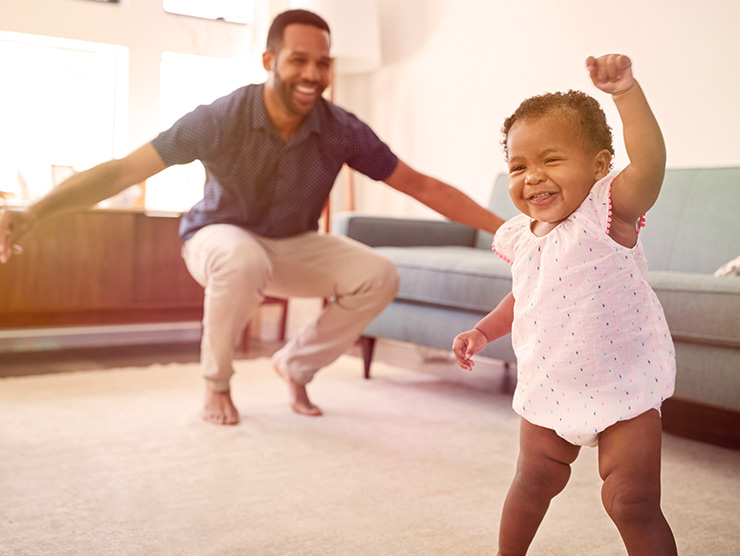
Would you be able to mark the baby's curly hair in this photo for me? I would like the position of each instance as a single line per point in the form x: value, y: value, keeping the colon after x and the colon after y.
x: 582, y: 112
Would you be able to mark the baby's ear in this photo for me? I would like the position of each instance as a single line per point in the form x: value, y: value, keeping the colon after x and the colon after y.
x: 602, y: 164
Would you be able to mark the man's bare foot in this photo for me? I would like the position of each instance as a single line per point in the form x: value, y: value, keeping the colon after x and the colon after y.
x: 298, y: 395
x: 218, y: 408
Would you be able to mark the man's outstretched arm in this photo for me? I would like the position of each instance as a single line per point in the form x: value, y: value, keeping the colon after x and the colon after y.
x: 443, y: 198
x: 79, y: 192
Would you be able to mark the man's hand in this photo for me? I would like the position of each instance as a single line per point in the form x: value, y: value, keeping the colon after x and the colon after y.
x: 612, y: 73
x: 14, y: 224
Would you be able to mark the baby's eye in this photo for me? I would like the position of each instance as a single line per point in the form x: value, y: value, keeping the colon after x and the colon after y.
x: 552, y: 160
x: 515, y: 169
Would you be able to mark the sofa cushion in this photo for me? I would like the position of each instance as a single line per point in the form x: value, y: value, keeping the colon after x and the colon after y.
x: 694, y: 225
x: 700, y: 308
x: 451, y: 276
x: 433, y: 326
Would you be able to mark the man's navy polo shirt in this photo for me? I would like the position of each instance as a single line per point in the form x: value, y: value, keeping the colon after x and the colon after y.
x: 254, y: 179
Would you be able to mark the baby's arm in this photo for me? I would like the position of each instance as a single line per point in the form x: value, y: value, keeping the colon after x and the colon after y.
x: 636, y: 187
x: 494, y: 325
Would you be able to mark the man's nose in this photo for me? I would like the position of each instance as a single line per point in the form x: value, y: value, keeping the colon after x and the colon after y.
x: 311, y: 72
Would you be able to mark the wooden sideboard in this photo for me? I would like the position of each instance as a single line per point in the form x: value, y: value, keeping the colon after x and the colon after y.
x: 99, y: 267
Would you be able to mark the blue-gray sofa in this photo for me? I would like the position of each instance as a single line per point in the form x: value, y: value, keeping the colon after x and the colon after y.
x: 450, y: 278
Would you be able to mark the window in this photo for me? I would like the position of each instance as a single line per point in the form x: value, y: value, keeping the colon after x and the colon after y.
x: 63, y: 107
x: 186, y: 81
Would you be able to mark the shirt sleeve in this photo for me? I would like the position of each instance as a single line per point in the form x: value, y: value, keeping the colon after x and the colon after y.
x: 508, y: 235
x: 197, y: 134
x: 369, y: 154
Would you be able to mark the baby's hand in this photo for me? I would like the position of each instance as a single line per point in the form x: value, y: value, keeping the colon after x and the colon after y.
x: 612, y: 73
x: 467, y: 344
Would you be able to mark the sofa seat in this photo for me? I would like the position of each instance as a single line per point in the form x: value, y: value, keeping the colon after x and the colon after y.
x: 700, y: 308
x: 702, y: 314
x: 451, y: 276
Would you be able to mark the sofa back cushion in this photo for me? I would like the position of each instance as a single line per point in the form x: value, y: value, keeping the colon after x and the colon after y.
x: 693, y: 227
x: 695, y: 224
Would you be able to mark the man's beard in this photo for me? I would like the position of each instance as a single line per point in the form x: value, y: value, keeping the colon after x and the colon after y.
x: 285, y: 93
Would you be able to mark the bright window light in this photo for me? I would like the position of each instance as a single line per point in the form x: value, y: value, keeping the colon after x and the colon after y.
x: 186, y: 81
x: 63, y: 108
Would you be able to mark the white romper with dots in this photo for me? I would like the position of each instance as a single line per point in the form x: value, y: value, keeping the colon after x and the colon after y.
x: 590, y: 336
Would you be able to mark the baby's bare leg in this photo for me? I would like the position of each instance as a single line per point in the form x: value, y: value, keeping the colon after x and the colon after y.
x: 629, y: 464
x: 543, y: 470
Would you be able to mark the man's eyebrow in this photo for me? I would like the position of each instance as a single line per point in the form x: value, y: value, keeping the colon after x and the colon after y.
x: 304, y: 54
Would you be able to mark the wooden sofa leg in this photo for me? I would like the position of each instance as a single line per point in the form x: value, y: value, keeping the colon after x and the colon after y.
x: 509, y: 382
x: 367, y: 343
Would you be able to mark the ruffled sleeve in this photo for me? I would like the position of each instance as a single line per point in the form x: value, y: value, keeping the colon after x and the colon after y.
x: 508, y: 236
x: 600, y: 199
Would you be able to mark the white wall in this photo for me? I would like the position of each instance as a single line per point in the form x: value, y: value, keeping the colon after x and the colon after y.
x: 454, y: 69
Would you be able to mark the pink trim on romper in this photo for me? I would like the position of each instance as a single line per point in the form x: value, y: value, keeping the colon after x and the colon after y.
x: 640, y: 223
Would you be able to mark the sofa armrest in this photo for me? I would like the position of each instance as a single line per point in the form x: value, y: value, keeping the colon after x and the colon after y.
x: 378, y: 231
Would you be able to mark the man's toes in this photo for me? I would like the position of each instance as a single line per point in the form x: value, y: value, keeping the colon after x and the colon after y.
x: 309, y: 410
x: 231, y: 419
x: 218, y: 418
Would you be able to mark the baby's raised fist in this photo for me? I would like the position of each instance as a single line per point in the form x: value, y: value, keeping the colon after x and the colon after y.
x: 612, y: 73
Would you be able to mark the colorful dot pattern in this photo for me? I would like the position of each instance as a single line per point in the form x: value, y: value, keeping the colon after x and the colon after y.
x: 591, y: 340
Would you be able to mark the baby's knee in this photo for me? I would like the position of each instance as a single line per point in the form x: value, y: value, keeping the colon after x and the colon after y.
x: 542, y: 478
x: 630, y: 500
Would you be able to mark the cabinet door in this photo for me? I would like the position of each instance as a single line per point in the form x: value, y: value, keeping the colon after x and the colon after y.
x: 160, y: 275
x: 98, y: 267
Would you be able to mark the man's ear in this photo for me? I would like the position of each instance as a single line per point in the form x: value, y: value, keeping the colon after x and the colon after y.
x: 602, y: 164
x: 267, y: 60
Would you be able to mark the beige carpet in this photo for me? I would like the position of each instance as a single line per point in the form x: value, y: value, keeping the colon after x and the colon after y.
x: 117, y: 462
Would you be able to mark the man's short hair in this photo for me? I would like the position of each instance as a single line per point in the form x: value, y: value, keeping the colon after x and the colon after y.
x: 281, y: 21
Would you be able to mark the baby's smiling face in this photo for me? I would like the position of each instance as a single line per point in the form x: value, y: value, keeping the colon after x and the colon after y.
x: 550, y: 169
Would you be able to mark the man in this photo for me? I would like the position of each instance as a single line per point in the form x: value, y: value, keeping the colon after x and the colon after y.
x: 272, y: 152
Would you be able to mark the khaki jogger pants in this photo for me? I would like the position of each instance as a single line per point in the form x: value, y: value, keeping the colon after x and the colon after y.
x: 238, y: 268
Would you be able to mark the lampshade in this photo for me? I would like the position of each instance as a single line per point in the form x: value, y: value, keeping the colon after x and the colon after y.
x: 355, y: 32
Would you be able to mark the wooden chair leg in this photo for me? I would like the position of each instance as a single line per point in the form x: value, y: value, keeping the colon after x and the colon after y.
x: 245, y: 339
x: 283, y: 321
x: 367, y: 343
x: 508, y: 384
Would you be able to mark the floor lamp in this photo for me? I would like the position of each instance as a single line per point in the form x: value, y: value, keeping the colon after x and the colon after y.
x: 355, y: 46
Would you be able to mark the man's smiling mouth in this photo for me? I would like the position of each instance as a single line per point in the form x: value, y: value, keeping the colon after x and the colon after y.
x: 307, y: 92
